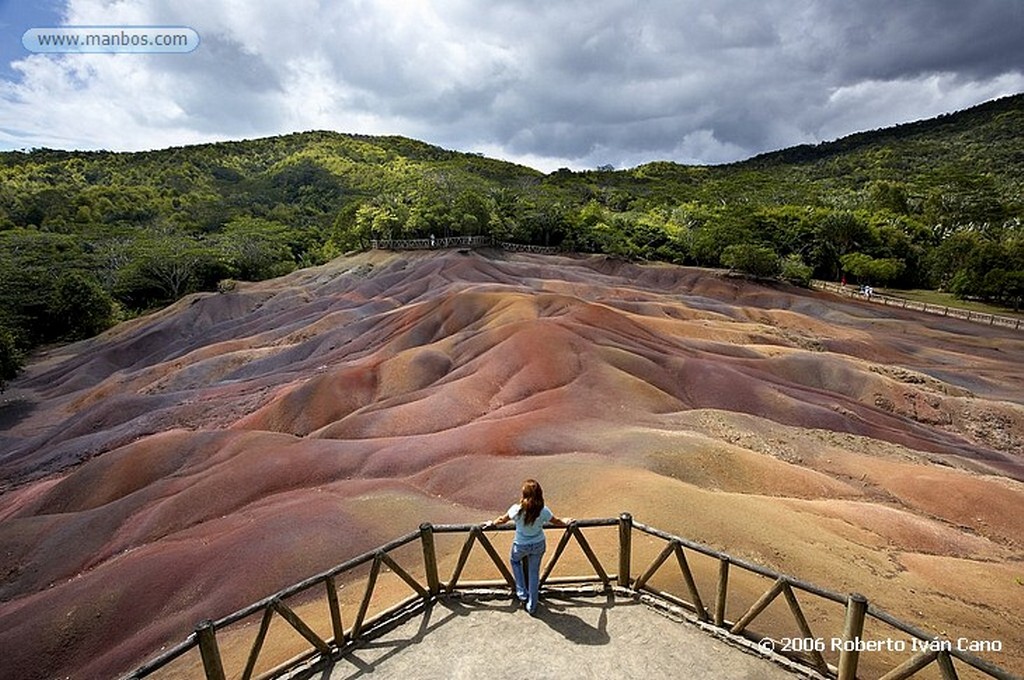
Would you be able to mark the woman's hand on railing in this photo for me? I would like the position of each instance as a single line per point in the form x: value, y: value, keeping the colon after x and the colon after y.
x: 496, y: 522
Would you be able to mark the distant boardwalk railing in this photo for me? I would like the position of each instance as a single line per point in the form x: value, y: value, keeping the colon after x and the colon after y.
x: 527, y: 248
x: 832, y: 652
x: 985, y: 318
x: 439, y: 243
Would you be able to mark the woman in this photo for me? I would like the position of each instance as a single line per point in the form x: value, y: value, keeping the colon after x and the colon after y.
x: 529, y: 514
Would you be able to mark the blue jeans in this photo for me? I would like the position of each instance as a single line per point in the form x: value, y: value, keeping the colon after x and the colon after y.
x: 528, y: 585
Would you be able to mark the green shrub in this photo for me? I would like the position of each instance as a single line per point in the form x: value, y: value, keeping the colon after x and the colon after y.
x: 11, y: 358
x: 795, y: 271
x: 751, y: 259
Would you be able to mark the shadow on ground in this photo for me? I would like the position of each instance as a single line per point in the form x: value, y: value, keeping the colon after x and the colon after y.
x: 570, y: 637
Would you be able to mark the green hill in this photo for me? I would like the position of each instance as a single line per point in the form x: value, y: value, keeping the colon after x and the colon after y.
x: 89, y: 237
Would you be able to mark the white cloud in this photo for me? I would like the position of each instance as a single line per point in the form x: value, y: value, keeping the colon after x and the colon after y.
x: 90, y: 101
x: 874, y: 104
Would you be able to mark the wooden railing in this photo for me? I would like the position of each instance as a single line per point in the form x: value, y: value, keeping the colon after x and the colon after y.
x: 438, y: 243
x: 527, y: 248
x: 432, y: 243
x: 1016, y: 323
x: 681, y: 595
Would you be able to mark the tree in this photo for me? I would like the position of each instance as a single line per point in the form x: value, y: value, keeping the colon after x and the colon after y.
x: 1014, y: 289
x: 891, y: 196
x: 307, y: 184
x: 728, y: 227
x: 256, y: 248
x: 965, y: 198
x: 543, y: 218
x: 11, y: 359
x: 871, y: 270
x: 755, y: 260
x: 839, y: 234
x: 79, y: 307
x: 380, y: 221
x: 796, y: 271
x: 32, y: 263
x: 955, y: 254
x: 166, y: 266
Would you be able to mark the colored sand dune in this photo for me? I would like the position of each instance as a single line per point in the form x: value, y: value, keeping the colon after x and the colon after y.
x: 189, y: 462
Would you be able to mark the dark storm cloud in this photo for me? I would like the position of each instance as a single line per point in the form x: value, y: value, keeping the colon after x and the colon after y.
x: 573, y: 82
x: 640, y: 78
x: 885, y: 40
x: 225, y: 82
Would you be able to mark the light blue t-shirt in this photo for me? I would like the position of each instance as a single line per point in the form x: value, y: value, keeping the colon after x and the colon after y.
x: 529, y: 533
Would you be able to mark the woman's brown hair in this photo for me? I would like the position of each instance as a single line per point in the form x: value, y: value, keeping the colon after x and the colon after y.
x: 532, y: 502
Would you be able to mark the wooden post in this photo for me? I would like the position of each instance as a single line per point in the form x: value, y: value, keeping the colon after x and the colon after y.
x: 335, y: 609
x: 430, y: 558
x: 212, y: 665
x: 911, y: 666
x: 257, y: 645
x: 691, y: 585
x: 625, y: 547
x: 805, y: 629
x: 401, y: 573
x: 658, y: 561
x: 559, y: 549
x: 759, y: 606
x: 856, y: 608
x: 723, y: 588
x: 589, y: 552
x: 946, y: 666
x: 461, y: 564
x: 371, y: 583
x: 495, y: 557
x: 300, y: 626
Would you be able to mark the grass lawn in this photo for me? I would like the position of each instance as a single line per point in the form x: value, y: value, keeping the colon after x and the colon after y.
x: 934, y: 297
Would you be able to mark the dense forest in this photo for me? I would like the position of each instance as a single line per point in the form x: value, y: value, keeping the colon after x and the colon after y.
x: 89, y: 238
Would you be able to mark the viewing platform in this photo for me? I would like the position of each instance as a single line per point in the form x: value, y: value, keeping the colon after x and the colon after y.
x: 573, y: 635
x: 689, y: 611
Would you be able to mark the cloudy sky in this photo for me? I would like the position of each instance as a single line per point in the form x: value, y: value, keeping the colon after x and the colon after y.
x: 547, y: 83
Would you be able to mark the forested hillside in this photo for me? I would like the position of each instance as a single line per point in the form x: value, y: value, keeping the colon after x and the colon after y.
x: 87, y: 238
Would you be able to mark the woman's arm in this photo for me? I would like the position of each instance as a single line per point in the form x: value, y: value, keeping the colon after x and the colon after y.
x: 498, y: 521
x: 560, y: 522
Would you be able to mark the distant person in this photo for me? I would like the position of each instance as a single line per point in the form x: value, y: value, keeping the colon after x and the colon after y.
x: 530, y: 514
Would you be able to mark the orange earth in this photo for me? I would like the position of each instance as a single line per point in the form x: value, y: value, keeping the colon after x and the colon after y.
x: 187, y: 463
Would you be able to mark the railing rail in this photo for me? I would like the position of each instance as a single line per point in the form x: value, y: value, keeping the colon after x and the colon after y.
x: 442, y: 242
x: 528, y: 248
x: 433, y: 587
x: 1015, y: 323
